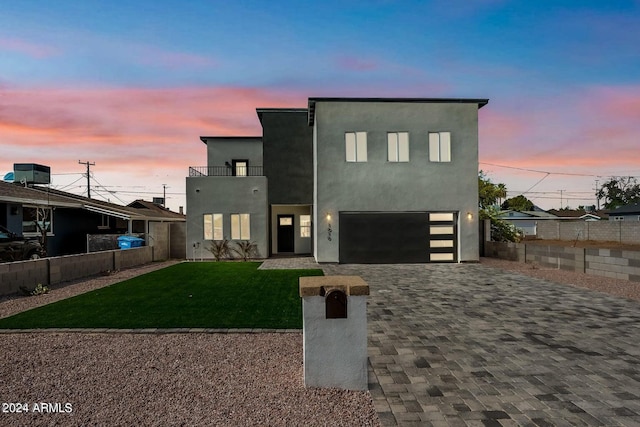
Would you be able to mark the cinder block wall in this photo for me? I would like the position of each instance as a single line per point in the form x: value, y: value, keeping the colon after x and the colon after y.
x: 599, y: 231
x: 56, y: 270
x: 159, y: 240
x: 616, y: 264
x: 23, y: 273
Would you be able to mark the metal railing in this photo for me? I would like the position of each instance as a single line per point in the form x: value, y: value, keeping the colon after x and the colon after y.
x: 238, y: 171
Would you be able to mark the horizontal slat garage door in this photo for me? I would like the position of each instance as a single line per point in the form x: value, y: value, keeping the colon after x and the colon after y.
x: 396, y: 237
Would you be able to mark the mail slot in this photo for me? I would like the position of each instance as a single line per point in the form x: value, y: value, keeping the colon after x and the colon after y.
x: 336, y: 304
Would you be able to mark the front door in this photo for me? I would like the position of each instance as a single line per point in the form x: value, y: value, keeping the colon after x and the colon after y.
x: 285, y: 233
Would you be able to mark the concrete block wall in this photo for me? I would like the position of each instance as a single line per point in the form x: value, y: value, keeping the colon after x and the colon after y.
x: 56, y: 270
x: 599, y: 231
x: 508, y: 251
x: 612, y: 263
x: 29, y: 274
x: 73, y: 267
x: 159, y: 240
x: 178, y: 240
x: 136, y: 256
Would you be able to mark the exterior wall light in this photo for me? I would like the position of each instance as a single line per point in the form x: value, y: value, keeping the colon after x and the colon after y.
x: 328, y: 217
x: 469, y: 216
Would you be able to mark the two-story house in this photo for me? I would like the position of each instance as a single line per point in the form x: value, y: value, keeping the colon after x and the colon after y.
x: 351, y: 180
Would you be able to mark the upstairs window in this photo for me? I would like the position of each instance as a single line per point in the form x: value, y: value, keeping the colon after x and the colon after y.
x: 356, y: 146
x: 440, y: 146
x: 240, y: 227
x: 398, y: 146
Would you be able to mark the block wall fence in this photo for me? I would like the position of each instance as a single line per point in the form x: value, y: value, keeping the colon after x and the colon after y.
x: 56, y: 270
x: 603, y: 231
x: 611, y: 263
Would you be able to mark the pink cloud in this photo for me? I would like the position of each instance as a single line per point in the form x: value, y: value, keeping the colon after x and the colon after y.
x: 173, y: 60
x: 38, y: 51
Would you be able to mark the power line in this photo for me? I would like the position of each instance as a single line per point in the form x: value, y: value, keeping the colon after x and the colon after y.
x: 553, y: 173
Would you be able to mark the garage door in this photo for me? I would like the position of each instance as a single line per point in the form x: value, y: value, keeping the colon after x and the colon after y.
x: 397, y: 237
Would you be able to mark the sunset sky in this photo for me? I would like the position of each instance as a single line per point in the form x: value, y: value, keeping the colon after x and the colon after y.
x: 131, y: 85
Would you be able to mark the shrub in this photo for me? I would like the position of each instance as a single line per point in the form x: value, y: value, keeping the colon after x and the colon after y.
x: 220, y: 249
x: 246, y: 249
x: 39, y: 290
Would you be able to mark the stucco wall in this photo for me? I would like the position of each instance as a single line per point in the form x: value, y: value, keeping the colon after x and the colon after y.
x: 288, y: 156
x: 225, y: 149
x: 225, y: 195
x: 379, y: 185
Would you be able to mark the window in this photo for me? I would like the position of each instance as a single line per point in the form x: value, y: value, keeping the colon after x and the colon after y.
x: 240, y: 167
x: 398, y: 144
x: 440, y: 146
x: 305, y: 225
x: 356, y: 146
x: 34, y: 220
x: 213, y: 227
x: 240, y: 227
x: 618, y: 218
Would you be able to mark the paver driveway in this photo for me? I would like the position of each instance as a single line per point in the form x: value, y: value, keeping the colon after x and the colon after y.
x: 469, y: 345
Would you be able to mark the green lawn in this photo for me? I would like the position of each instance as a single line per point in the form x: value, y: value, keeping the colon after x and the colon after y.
x: 187, y: 295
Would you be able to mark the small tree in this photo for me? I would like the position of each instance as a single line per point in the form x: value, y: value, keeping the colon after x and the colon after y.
x: 220, y: 249
x: 619, y: 191
x: 518, y: 203
x: 246, y: 249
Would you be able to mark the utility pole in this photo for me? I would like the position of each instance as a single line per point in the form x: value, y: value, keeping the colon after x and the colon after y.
x: 561, y: 191
x: 597, y: 196
x: 88, y: 181
x: 164, y: 195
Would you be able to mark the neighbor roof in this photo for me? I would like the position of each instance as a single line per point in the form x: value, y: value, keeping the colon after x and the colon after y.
x: 628, y: 209
x: 312, y: 102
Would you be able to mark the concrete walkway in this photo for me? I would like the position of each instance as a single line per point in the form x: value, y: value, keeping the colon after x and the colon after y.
x: 468, y: 345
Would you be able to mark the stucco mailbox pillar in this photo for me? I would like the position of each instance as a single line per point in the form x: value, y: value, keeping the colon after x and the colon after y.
x: 334, y: 323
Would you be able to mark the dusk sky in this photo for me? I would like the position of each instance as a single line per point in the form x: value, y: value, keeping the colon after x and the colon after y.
x: 131, y: 85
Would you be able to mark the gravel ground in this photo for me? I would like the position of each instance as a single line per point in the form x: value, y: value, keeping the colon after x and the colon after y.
x: 185, y: 379
x: 162, y: 379
x: 621, y: 288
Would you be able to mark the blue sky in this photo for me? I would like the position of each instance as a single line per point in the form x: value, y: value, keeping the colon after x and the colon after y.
x: 132, y: 85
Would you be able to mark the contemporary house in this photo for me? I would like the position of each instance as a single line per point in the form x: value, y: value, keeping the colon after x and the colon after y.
x: 349, y: 180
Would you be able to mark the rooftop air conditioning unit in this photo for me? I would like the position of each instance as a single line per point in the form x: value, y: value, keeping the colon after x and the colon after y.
x: 31, y: 173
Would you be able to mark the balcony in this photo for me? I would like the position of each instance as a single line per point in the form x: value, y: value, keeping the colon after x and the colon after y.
x: 239, y: 171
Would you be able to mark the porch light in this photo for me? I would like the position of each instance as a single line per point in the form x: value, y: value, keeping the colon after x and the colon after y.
x: 469, y: 216
x: 328, y: 217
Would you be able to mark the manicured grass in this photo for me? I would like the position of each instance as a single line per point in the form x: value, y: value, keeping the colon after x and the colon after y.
x: 187, y: 295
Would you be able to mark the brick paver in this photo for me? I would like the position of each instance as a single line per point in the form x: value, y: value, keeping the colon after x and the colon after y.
x: 469, y: 345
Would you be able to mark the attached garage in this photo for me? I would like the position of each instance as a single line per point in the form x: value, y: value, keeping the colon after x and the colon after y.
x: 398, y: 237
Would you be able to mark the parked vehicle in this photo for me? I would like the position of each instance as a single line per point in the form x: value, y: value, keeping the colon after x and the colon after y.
x: 18, y: 248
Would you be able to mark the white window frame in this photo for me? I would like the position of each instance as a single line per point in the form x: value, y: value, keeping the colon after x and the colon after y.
x: 356, y: 146
x: 48, y: 216
x: 398, y: 146
x: 211, y: 231
x: 440, y: 146
x: 241, y: 226
x: 305, y: 226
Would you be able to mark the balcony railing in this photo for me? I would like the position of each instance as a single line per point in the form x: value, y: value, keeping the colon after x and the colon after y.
x: 239, y: 171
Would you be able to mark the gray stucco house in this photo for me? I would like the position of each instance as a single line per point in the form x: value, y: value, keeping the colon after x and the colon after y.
x: 350, y: 180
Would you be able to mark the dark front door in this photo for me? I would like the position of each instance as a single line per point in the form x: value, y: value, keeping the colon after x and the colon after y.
x: 285, y: 233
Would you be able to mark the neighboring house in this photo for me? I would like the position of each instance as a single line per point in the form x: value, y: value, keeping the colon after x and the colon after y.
x: 350, y: 180
x: 69, y: 218
x: 526, y: 221
x: 625, y: 213
x: 580, y: 214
